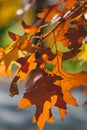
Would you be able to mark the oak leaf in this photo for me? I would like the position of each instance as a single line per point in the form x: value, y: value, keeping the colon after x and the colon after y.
x: 69, y: 81
x: 76, y: 42
x: 46, y: 95
x: 51, y: 86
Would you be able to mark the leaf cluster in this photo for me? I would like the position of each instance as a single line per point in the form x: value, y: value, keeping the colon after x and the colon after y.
x: 48, y: 84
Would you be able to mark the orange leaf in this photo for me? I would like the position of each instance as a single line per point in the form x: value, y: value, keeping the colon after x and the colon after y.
x: 3, y: 70
x: 31, y: 30
x: 2, y: 53
x: 62, y: 112
x: 51, y: 11
x: 69, y: 4
x: 24, y: 103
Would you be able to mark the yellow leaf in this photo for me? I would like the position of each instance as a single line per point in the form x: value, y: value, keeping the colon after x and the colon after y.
x: 10, y: 56
x: 82, y: 55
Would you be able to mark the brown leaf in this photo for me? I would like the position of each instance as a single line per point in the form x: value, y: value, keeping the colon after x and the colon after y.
x: 13, y: 88
x: 43, y: 51
x: 27, y: 65
x: 79, y: 34
x: 46, y: 95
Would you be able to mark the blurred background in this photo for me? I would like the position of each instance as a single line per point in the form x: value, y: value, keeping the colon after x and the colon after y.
x: 12, y: 12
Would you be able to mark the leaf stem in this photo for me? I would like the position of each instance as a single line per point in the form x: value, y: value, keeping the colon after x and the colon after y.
x: 56, y: 53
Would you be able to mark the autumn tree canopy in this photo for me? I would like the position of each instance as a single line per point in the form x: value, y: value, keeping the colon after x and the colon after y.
x: 64, y: 23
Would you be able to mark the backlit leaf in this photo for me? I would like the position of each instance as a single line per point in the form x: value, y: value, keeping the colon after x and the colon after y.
x: 48, y: 84
x: 13, y: 36
x: 70, y: 3
x: 31, y: 30
x: 82, y: 55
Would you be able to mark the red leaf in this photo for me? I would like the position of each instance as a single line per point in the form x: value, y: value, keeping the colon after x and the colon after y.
x: 31, y: 30
x: 13, y: 36
x: 25, y: 26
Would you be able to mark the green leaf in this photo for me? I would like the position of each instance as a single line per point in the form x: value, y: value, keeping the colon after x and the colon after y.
x: 14, y: 67
x: 60, y: 47
x: 49, y: 66
x: 72, y: 67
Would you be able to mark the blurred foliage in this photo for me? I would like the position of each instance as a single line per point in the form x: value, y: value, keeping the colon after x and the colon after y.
x: 10, y: 21
x: 4, y: 38
x: 8, y: 10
